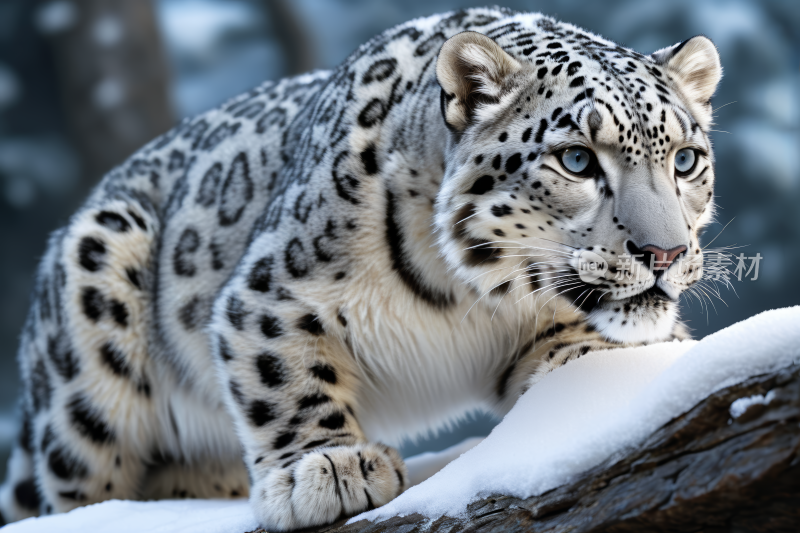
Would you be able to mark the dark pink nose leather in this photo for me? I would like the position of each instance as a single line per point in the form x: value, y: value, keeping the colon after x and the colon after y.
x: 663, y: 258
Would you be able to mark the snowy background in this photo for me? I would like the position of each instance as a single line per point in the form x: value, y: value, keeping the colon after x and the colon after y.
x: 201, y: 52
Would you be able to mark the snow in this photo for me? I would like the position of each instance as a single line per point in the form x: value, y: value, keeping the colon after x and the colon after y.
x: 574, y: 419
x: 168, y: 516
x: 422, y: 466
x: 738, y: 407
x: 196, y: 516
x: 586, y: 411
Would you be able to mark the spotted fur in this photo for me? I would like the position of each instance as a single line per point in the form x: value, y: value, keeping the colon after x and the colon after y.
x: 258, y: 300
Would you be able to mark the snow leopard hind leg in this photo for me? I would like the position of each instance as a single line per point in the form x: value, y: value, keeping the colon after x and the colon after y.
x: 89, y: 401
x: 290, y: 383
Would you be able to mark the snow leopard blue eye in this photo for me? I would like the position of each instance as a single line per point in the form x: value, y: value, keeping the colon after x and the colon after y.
x: 685, y: 160
x: 577, y: 160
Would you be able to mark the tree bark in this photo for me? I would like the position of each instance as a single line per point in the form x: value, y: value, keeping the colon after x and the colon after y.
x: 113, y: 78
x: 703, y: 471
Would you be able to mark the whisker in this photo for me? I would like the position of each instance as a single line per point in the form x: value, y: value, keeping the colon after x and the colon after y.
x: 560, y: 279
x: 521, y: 247
x: 476, y: 213
x: 556, y: 285
x: 567, y: 284
x: 490, y: 271
x: 720, y: 107
x: 584, y: 300
x: 567, y: 275
x: 480, y: 298
x: 529, y: 271
x: 559, y: 294
x: 718, y: 234
x: 556, y: 242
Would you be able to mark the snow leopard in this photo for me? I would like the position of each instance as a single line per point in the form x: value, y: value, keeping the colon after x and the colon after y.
x: 266, y: 300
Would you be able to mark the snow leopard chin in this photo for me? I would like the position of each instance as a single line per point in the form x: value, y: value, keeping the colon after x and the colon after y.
x: 647, y: 317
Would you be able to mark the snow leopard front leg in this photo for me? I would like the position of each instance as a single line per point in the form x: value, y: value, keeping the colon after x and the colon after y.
x: 552, y: 348
x: 576, y: 342
x: 290, y: 384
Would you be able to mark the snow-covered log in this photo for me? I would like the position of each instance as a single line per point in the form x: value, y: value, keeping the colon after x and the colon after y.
x: 703, y: 471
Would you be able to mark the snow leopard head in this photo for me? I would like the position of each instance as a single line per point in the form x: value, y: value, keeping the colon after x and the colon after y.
x: 579, y: 170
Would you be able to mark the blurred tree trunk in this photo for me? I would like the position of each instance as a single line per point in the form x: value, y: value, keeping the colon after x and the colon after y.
x: 113, y: 77
x: 292, y: 34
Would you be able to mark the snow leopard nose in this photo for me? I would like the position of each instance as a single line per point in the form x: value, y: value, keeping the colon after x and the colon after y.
x: 655, y: 258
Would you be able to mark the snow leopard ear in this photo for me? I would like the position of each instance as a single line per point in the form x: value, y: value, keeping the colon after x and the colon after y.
x: 695, y: 67
x: 472, y: 70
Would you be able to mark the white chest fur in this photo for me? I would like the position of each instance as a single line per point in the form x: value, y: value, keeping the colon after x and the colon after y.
x: 424, y: 368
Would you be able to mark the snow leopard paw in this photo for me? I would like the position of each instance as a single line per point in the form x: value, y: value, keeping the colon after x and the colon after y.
x: 327, y: 484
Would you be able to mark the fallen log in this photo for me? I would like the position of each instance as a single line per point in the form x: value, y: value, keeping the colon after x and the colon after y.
x: 705, y: 470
